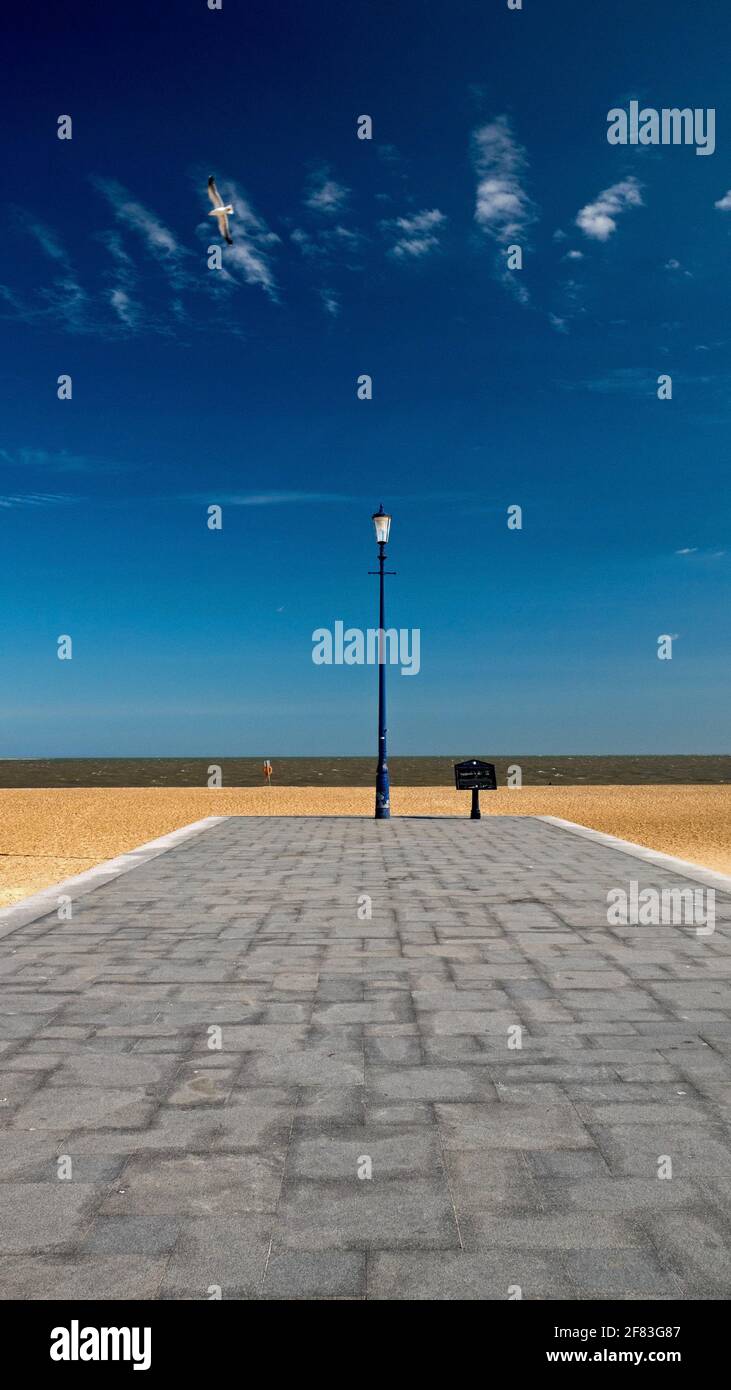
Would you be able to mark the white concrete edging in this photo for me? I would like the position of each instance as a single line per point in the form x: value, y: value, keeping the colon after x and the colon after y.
x: 710, y: 877
x: 19, y: 914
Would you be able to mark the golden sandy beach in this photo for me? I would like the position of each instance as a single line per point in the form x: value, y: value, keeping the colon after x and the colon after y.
x: 48, y: 835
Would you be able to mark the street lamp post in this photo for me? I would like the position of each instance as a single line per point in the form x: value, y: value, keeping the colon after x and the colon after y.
x: 382, y: 524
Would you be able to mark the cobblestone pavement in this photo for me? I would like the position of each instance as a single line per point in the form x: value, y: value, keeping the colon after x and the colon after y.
x: 352, y: 1043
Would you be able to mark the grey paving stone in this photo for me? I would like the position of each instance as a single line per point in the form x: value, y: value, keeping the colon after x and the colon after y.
x: 58, y: 1107
x: 616, y: 1273
x: 625, y: 1092
x: 567, y: 1163
x: 340, y: 1154
x: 405, y: 1213
x: 320, y: 1110
x: 203, y: 1086
x: 17, y: 1025
x: 694, y: 1153
x: 399, y: 1051
x: 385, y: 1038
x: 444, y: 1000
x: 43, y: 1216
x: 131, y: 1235
x: 619, y: 1195
x: 531, y: 1092
x: 491, y: 1180
x: 413, y: 1112
x: 228, y: 1252
x: 487, y: 1275
x: 718, y: 1194
x: 559, y: 1072
x: 430, y: 1083
x: 448, y: 1048
x: 549, y: 1231
x: 74, y: 1277
x: 316, y: 1274
x: 263, y: 1037
x: 696, y: 1248
x: 512, y: 1127
x: 312, y: 1068
x: 198, y: 1184
x: 644, y: 1113
x: 113, y: 1072
x: 485, y: 1023
x: 101, y: 1168
x: 335, y: 1015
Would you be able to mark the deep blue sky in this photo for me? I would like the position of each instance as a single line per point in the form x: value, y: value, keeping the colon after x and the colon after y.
x: 193, y: 387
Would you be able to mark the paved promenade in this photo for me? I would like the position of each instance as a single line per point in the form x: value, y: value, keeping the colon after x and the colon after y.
x: 227, y: 1039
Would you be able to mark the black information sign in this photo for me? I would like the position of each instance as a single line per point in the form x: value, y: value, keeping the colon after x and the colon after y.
x: 474, y: 775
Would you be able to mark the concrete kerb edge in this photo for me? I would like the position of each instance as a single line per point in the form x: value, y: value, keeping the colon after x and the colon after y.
x: 711, y: 878
x: 28, y: 909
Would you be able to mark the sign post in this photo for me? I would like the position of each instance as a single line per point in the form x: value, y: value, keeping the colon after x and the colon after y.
x: 475, y: 776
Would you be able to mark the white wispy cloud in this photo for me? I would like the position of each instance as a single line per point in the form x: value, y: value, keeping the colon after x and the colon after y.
x: 124, y: 307
x: 277, y: 499
x: 598, y: 220
x: 416, y: 236
x: 304, y: 242
x: 47, y: 239
x: 160, y: 243
x: 635, y: 381
x: 64, y: 299
x: 124, y: 277
x: 675, y: 266
x: 325, y: 194
x: 724, y: 203
x: 263, y: 499
x: 155, y: 236
x: 52, y: 461
x: 330, y: 303
x: 249, y: 258
x: 641, y: 381
x: 702, y: 554
x: 67, y: 301
x: 34, y: 499
x: 342, y: 239
x: 331, y: 248
x: 503, y: 208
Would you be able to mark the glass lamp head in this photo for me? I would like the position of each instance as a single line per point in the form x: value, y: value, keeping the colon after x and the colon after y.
x: 382, y: 525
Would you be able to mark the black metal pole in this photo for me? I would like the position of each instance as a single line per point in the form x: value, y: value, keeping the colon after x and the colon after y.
x: 475, y: 813
x: 383, y: 790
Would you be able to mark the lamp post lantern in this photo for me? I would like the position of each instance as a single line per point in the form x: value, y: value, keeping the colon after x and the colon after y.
x: 382, y: 524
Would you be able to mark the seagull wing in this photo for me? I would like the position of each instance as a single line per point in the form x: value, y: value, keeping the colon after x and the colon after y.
x: 213, y: 193
x: 223, y: 227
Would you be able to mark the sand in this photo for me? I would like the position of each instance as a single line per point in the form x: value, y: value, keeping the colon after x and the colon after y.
x: 48, y: 835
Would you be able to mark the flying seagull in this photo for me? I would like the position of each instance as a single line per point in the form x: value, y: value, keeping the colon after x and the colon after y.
x: 220, y: 212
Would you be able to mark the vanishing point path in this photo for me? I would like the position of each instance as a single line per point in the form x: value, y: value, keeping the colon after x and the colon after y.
x: 224, y: 1040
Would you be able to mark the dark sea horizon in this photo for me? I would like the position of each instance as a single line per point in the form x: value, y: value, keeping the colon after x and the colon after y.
x: 428, y: 771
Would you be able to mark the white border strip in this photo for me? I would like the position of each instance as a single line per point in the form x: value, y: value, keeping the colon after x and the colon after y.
x: 19, y: 914
x: 710, y: 877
